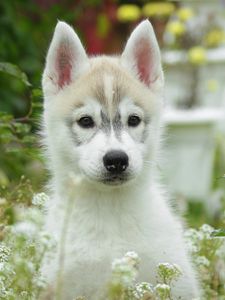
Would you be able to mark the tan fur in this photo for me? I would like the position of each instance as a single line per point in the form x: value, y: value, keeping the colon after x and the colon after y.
x: 91, y: 84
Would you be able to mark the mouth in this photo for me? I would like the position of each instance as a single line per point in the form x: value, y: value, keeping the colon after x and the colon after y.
x: 110, y: 179
x: 115, y: 179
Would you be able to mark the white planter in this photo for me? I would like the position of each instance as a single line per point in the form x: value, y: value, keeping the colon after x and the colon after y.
x: 189, y: 151
x: 181, y: 77
x: 204, y: 6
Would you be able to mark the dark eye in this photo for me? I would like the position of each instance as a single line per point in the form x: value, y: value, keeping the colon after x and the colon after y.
x: 133, y: 121
x: 86, y: 122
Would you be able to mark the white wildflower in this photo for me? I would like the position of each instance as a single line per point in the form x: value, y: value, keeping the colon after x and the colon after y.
x: 206, y: 230
x: 132, y: 258
x: 192, y: 247
x: 40, y: 199
x: 168, y: 272
x: 24, y: 294
x: 4, y: 253
x: 124, y: 271
x: 143, y: 289
x: 132, y: 254
x: 193, y: 235
x: 202, y: 261
x: 163, y: 291
x: 39, y: 281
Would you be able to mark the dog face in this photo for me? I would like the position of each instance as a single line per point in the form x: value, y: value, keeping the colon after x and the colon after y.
x: 101, y: 114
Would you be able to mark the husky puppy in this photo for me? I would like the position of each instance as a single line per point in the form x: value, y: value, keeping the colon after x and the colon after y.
x: 102, y: 123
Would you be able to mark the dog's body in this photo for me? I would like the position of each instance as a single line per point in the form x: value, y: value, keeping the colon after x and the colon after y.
x: 102, y: 122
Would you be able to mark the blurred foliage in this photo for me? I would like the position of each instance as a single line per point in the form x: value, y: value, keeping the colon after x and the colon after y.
x: 10, y: 197
x: 18, y: 141
x: 23, y: 246
x: 180, y: 31
x: 207, y: 248
x: 25, y: 29
x: 198, y: 213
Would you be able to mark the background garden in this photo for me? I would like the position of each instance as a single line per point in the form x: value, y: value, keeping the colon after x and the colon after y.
x: 191, y: 35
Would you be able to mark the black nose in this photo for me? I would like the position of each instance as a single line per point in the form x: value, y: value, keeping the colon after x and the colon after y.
x: 115, y: 161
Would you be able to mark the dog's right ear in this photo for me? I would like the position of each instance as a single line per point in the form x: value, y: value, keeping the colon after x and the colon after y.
x: 141, y: 56
x: 66, y: 60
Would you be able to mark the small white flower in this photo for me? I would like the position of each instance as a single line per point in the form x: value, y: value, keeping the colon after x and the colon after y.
x: 162, y: 290
x: 132, y: 258
x: 191, y: 247
x: 193, y: 235
x: 4, y: 253
x: 40, y: 199
x: 24, y: 294
x: 143, y: 289
x: 168, y: 272
x: 206, y: 230
x: 124, y: 271
x: 202, y: 261
x: 39, y: 281
x: 132, y: 254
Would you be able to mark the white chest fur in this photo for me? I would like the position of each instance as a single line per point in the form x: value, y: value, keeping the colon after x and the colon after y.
x: 96, y: 229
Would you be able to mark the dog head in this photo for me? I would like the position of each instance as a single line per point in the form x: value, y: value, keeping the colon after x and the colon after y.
x: 102, y: 114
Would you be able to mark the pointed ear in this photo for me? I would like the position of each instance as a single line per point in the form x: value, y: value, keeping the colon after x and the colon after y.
x: 66, y: 59
x: 142, y: 55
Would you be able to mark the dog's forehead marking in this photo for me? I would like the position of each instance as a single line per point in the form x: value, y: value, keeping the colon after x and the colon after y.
x: 107, y: 87
x: 105, y: 122
x: 108, y: 92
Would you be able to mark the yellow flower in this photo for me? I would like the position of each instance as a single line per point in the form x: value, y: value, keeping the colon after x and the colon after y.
x: 212, y: 85
x: 159, y: 9
x: 128, y: 13
x: 176, y: 28
x: 185, y: 13
x: 214, y: 38
x: 197, y: 55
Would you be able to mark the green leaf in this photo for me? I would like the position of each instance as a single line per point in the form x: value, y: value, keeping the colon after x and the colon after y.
x: 9, y: 214
x: 4, y: 117
x: 218, y: 233
x: 37, y: 93
x: 14, y: 71
x: 22, y: 128
x: 29, y: 139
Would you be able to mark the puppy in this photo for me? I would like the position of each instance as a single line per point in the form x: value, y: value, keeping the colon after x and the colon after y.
x: 102, y: 124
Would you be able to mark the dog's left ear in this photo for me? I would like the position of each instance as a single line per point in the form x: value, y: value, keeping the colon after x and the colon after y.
x: 142, y: 55
x: 66, y: 60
